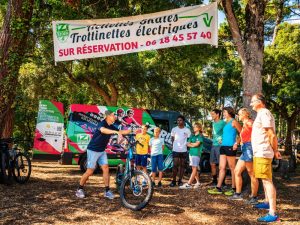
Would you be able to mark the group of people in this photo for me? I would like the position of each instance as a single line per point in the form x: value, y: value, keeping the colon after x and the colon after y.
x: 258, y: 144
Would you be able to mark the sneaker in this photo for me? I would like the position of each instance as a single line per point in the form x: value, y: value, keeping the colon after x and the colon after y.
x: 185, y: 186
x: 197, y: 185
x: 236, y: 197
x: 80, y: 193
x: 253, y: 201
x: 262, y: 205
x: 109, y: 195
x: 159, y: 184
x: 180, y: 183
x: 173, y: 184
x: 230, y: 192
x: 268, y: 218
x: 215, y: 191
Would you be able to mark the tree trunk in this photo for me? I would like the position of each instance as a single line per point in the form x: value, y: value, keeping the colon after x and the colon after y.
x: 9, y: 123
x: 251, y: 46
x: 13, y: 42
x: 291, y: 125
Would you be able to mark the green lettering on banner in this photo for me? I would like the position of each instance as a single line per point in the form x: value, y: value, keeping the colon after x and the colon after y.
x: 207, y: 20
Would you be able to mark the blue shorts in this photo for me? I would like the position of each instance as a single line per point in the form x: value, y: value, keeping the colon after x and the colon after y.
x: 247, y: 153
x: 141, y: 160
x: 95, y: 157
x: 157, y: 161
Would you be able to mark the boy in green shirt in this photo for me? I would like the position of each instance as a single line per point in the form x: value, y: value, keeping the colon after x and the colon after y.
x: 196, y: 145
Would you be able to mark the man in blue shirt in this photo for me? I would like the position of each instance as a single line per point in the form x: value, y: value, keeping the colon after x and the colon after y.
x: 96, y: 153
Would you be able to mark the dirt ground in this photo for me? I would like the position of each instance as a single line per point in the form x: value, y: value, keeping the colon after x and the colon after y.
x: 49, y: 198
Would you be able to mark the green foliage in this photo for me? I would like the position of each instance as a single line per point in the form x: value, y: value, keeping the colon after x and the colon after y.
x: 282, y: 68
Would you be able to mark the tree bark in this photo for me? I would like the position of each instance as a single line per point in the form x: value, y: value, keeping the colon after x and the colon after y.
x: 13, y: 43
x: 9, y: 124
x: 251, y: 46
x: 291, y: 125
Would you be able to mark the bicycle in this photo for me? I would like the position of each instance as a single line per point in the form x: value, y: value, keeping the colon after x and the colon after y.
x: 135, y: 186
x: 13, y: 163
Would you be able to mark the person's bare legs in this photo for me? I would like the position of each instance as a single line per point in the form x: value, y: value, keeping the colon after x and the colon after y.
x: 85, y: 176
x: 153, y: 176
x: 193, y: 175
x: 231, y: 163
x: 213, y: 167
x: 254, y: 181
x: 222, y: 170
x: 270, y: 192
x: 106, y: 177
x: 176, y: 162
x: 145, y: 169
x: 160, y: 174
x: 240, y: 167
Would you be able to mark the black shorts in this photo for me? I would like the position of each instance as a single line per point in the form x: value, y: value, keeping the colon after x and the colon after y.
x: 179, y: 155
x: 227, y: 150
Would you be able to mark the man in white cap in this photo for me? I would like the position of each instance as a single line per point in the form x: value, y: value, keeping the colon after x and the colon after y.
x: 96, y: 153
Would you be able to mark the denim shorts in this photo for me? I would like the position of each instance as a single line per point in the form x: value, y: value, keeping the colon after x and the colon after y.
x: 157, y: 161
x: 141, y: 160
x: 215, y: 154
x: 95, y: 157
x: 247, y: 153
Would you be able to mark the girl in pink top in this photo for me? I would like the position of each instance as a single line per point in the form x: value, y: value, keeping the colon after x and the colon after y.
x: 246, y: 159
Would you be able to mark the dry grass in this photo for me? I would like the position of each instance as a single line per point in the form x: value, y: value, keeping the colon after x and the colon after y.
x: 49, y: 198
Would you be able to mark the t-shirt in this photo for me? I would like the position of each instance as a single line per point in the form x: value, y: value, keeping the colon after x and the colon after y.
x: 156, y: 145
x: 100, y: 140
x: 218, y: 132
x: 144, y: 140
x: 196, y: 151
x: 180, y: 138
x: 259, y: 138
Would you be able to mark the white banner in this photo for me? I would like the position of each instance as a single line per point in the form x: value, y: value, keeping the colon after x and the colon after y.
x: 81, y: 39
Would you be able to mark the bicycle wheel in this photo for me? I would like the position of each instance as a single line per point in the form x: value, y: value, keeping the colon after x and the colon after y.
x: 21, y: 168
x: 5, y: 168
x: 136, y: 190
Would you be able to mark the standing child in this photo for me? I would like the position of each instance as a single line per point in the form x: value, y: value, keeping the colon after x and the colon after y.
x: 196, y: 145
x: 142, y: 147
x: 157, y: 145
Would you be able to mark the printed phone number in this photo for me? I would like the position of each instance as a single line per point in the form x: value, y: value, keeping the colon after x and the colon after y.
x: 180, y: 37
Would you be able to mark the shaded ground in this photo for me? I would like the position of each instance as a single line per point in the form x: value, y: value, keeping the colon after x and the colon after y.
x: 49, y: 198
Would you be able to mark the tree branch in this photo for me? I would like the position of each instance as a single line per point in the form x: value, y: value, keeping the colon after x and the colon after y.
x: 279, y: 18
x: 234, y: 28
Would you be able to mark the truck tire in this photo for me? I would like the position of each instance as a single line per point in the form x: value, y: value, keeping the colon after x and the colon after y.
x: 204, y: 163
x: 83, y: 162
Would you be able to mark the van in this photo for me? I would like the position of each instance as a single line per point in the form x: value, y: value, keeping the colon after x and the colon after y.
x: 83, y: 121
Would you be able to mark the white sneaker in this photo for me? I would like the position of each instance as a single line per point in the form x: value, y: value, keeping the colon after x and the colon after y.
x: 109, y: 195
x: 80, y: 193
x: 185, y: 186
x: 197, y: 185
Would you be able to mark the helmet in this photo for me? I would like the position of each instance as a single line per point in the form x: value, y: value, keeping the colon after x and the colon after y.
x: 119, y: 111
